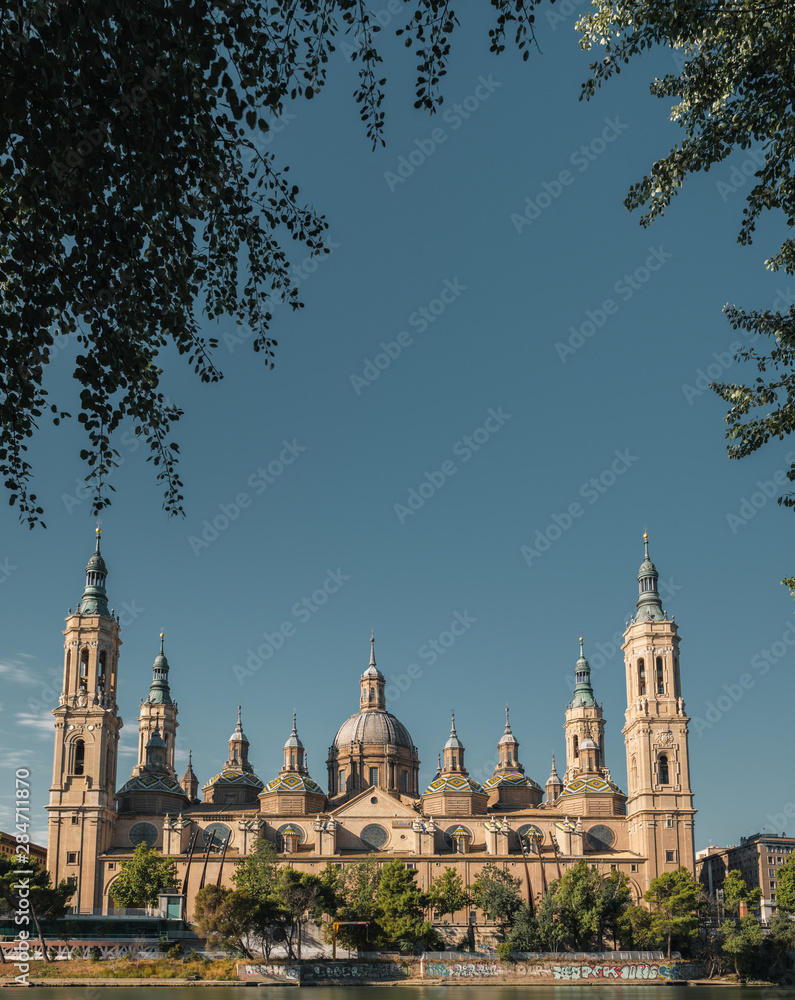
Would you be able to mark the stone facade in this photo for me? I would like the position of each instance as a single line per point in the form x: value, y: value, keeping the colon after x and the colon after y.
x: 373, y: 803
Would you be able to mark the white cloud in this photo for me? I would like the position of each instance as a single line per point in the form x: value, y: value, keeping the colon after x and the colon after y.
x: 13, y: 671
x: 12, y: 758
x: 43, y: 724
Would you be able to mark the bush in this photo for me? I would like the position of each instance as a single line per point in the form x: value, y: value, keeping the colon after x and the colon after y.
x: 95, y: 954
x: 175, y: 951
x: 504, y: 952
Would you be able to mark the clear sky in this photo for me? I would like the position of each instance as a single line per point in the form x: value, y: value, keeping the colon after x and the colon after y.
x: 498, y: 380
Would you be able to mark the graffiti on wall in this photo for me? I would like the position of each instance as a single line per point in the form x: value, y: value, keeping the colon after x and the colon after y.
x: 632, y: 970
x: 329, y: 971
x: 464, y: 970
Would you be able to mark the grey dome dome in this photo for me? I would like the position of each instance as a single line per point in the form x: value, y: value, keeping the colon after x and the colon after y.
x: 373, y: 725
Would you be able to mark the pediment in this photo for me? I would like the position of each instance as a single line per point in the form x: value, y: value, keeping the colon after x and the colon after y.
x: 374, y: 803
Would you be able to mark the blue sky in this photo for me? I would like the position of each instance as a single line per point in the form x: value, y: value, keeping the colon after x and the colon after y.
x: 494, y: 360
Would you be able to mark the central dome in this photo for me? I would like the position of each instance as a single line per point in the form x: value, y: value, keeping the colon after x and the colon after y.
x: 373, y: 726
x: 372, y: 748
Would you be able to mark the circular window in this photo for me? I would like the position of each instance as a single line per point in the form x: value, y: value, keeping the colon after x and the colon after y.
x: 448, y: 839
x: 600, y: 838
x: 143, y: 833
x: 295, y: 828
x: 374, y: 836
x: 216, y: 834
x: 374, y: 800
x: 529, y: 833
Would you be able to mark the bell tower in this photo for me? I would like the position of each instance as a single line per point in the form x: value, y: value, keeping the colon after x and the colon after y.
x: 82, y: 808
x: 660, y: 801
x: 158, y: 712
x: 584, y: 726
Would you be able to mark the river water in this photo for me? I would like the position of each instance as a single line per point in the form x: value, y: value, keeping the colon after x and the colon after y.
x: 442, y: 992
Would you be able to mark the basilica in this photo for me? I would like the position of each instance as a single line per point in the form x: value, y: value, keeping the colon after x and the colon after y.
x: 373, y: 802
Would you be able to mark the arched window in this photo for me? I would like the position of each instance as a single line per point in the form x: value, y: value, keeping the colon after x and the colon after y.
x: 641, y: 677
x: 292, y: 761
x: 80, y: 757
x: 101, y: 671
x: 634, y: 771
x: 662, y: 769
x: 372, y: 694
x: 454, y: 762
x: 576, y: 746
x: 84, y: 669
x: 660, y: 679
x: 341, y: 780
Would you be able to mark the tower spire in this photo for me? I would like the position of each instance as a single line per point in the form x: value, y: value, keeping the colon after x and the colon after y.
x: 583, y: 692
x: 94, y: 600
x: 159, y: 692
x: 372, y: 648
x: 649, y: 603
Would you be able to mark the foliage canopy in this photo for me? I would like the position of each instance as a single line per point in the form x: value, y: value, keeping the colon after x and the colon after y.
x: 142, y: 877
x: 136, y: 200
x: 733, y: 91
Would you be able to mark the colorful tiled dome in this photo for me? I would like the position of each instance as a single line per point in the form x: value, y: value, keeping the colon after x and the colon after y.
x: 294, y: 783
x: 152, y: 783
x: 235, y: 778
x: 594, y: 784
x: 514, y: 780
x: 454, y: 783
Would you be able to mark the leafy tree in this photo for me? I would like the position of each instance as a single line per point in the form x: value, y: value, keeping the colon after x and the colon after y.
x: 401, y: 906
x: 551, y: 930
x: 258, y: 873
x: 736, y: 891
x: 785, y: 893
x: 447, y: 894
x: 303, y: 896
x: 497, y: 894
x: 742, y: 940
x: 357, y: 894
x: 45, y: 900
x: 142, y: 877
x: 587, y: 904
x: 134, y: 197
x: 524, y: 933
x: 733, y: 90
x: 225, y: 917
x: 634, y: 927
x: 780, y: 940
x: 674, y: 897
